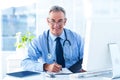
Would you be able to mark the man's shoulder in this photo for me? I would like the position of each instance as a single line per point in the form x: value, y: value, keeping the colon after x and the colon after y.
x: 41, y: 36
x: 70, y: 32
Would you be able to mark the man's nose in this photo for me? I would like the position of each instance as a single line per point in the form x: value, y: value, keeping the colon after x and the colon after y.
x: 56, y: 24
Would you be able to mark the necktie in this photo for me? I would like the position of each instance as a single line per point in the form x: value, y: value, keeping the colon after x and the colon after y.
x: 59, y: 53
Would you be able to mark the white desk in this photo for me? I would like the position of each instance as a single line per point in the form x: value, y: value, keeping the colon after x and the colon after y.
x: 43, y: 77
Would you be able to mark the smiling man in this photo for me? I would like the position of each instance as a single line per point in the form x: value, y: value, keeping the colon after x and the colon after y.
x: 56, y: 48
x: 56, y: 22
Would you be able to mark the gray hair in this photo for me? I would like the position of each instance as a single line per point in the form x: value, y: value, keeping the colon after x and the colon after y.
x: 57, y: 8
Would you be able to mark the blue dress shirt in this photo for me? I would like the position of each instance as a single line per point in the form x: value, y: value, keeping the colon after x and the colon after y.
x: 38, y: 54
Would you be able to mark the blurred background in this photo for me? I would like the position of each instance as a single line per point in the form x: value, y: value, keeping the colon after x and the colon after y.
x: 30, y: 15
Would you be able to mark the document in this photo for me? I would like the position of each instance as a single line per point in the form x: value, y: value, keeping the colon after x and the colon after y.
x: 64, y: 71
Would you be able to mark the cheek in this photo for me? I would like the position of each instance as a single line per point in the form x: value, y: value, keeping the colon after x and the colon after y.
x: 50, y: 26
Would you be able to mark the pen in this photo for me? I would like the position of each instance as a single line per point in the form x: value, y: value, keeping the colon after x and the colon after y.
x: 59, y: 66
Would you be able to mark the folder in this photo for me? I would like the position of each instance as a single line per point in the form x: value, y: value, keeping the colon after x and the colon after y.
x: 21, y: 74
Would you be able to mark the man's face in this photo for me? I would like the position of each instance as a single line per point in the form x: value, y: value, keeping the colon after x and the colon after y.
x: 56, y: 22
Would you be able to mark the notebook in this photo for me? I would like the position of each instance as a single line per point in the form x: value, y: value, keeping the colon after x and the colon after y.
x: 115, y: 58
x: 23, y: 74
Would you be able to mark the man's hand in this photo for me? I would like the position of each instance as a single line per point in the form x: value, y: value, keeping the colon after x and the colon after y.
x: 52, y: 67
x: 82, y: 70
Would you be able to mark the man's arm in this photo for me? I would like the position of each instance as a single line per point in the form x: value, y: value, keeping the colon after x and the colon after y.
x: 31, y: 65
x: 76, y: 67
x: 32, y: 60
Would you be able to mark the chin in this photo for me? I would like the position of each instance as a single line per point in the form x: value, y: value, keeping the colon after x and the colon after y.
x: 57, y: 34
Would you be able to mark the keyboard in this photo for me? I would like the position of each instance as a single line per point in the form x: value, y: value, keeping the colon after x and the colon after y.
x: 92, y: 74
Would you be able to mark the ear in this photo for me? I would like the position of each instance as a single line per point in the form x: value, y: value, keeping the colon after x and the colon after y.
x: 47, y: 20
x: 65, y: 21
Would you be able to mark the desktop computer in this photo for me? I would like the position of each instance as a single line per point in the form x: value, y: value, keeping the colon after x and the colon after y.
x: 97, y: 58
x: 96, y: 51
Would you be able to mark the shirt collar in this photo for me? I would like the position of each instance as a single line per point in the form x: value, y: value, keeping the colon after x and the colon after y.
x: 53, y: 37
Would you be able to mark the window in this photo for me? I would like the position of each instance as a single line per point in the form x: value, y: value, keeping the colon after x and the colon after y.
x: 17, y: 19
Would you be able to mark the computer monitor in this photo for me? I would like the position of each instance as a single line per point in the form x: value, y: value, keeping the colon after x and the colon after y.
x: 96, y: 52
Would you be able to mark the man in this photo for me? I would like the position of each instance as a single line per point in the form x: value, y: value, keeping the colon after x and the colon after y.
x: 46, y: 53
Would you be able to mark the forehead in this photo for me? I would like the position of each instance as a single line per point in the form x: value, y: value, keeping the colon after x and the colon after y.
x: 56, y: 15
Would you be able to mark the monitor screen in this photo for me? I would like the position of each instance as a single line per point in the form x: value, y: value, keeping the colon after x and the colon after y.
x: 103, y: 30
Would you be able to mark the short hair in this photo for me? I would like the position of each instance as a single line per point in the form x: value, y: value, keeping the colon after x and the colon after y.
x: 57, y: 8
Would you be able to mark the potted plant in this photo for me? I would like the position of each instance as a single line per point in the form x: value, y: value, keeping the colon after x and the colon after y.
x: 22, y: 41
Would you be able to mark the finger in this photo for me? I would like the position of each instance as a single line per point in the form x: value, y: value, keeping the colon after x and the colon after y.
x: 55, y: 70
x: 57, y: 65
x: 51, y: 68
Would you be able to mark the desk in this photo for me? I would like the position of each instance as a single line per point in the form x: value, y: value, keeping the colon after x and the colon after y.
x: 42, y: 76
x: 39, y: 77
x: 58, y: 77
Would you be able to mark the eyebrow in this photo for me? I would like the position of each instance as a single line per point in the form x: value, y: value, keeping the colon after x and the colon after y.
x: 54, y: 19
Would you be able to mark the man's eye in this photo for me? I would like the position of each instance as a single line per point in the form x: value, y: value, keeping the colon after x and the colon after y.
x: 60, y: 20
x: 52, y: 21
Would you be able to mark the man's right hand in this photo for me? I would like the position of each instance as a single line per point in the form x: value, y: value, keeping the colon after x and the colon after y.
x: 52, y: 67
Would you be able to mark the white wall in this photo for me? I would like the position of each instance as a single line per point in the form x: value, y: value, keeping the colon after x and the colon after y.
x: 0, y: 66
x: 0, y: 49
x: 3, y: 63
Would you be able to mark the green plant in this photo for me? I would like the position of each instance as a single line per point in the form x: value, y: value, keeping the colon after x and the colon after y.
x: 22, y: 39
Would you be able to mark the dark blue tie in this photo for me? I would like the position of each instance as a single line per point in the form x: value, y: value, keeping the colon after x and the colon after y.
x: 59, y: 53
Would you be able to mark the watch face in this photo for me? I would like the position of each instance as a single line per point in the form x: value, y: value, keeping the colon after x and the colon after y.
x: 49, y: 56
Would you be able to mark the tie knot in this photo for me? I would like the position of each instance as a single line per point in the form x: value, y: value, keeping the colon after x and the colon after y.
x: 58, y: 39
